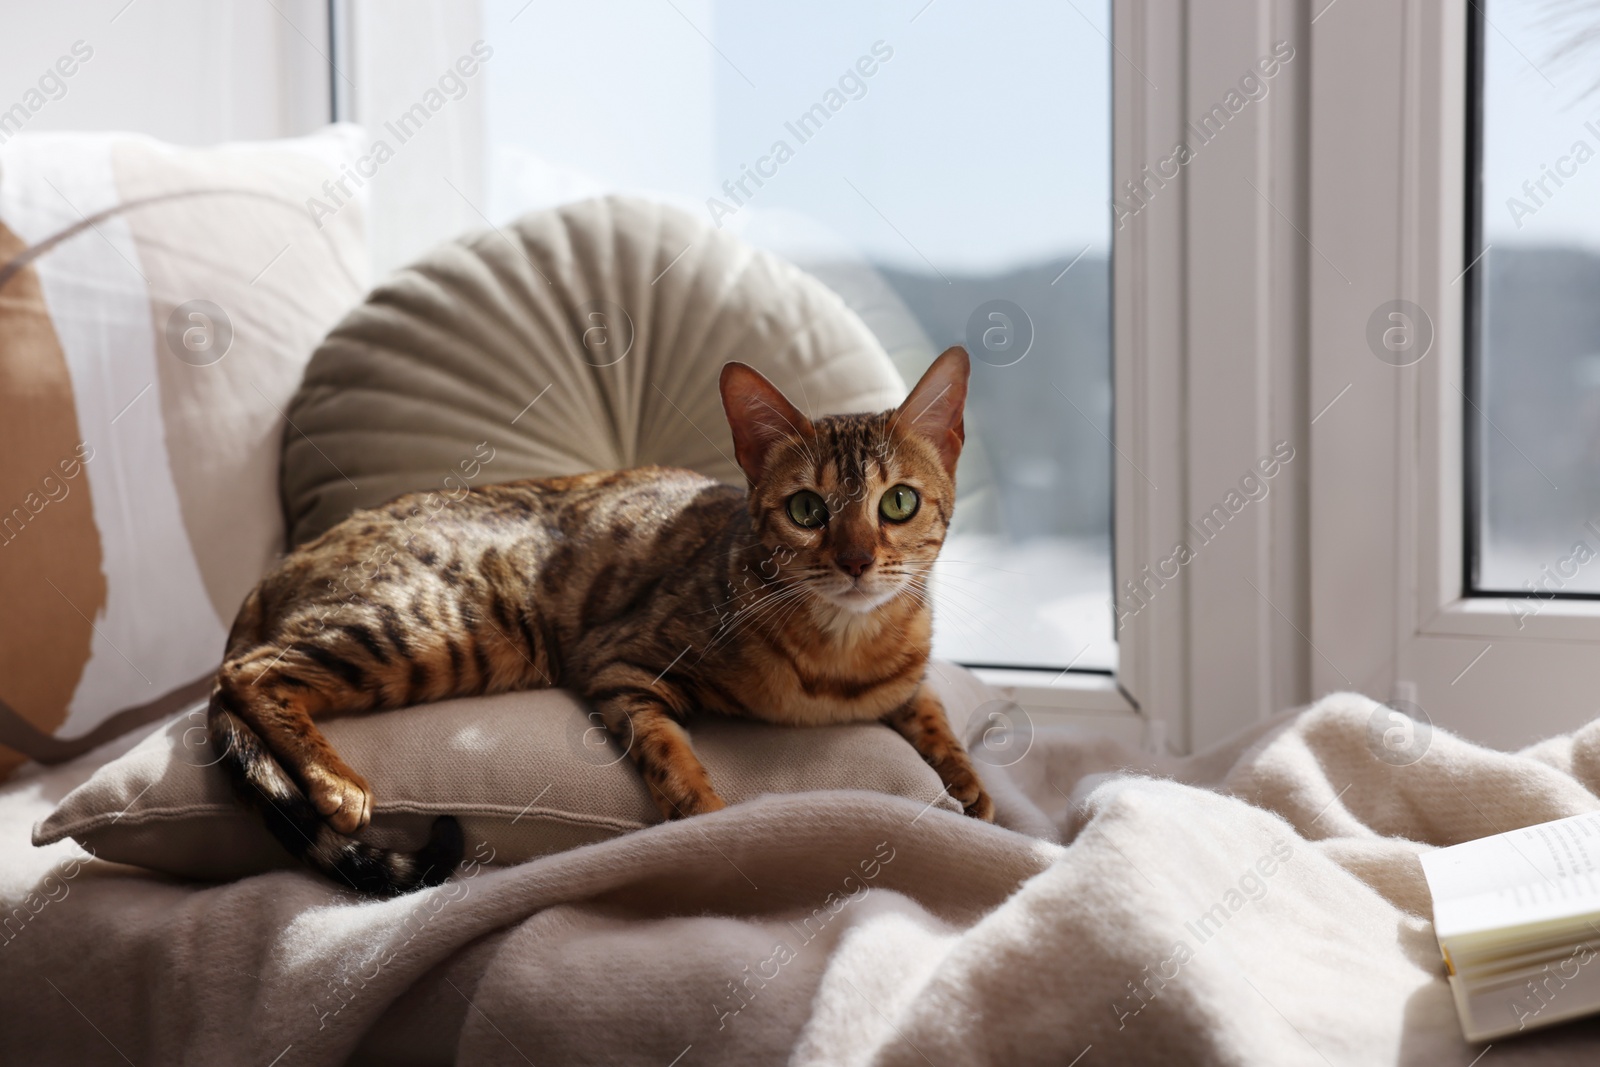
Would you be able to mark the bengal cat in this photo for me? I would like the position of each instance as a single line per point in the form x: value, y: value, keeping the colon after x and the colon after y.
x: 651, y: 592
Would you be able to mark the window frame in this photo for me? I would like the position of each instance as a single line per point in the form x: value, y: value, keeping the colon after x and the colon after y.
x: 1392, y: 605
x: 1472, y: 296
x: 1473, y: 355
x: 1209, y: 335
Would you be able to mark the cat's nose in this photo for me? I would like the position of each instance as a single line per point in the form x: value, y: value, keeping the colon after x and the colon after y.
x: 854, y: 564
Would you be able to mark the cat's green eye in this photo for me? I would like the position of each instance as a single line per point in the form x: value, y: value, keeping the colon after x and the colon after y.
x: 807, y: 509
x: 899, y: 503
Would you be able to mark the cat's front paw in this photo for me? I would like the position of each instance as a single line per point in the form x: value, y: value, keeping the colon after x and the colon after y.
x: 342, y: 797
x: 981, y: 807
x: 963, y: 784
x: 697, y: 803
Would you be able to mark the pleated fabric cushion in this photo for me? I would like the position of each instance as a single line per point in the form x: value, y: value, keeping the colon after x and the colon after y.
x: 588, y: 337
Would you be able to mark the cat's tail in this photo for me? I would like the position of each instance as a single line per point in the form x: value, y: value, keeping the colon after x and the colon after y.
x: 263, y: 785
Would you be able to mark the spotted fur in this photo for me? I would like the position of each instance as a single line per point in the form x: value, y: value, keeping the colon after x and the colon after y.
x: 651, y: 592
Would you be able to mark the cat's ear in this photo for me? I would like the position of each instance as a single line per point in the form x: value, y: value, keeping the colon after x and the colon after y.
x: 760, y: 417
x: 934, y: 408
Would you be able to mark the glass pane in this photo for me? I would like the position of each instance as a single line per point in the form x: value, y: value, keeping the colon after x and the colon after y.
x: 957, y: 193
x: 1534, y: 416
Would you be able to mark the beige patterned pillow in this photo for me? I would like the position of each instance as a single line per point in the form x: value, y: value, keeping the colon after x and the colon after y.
x: 157, y: 307
x: 527, y: 774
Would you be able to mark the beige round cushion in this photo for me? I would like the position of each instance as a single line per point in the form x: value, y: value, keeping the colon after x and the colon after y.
x: 588, y: 337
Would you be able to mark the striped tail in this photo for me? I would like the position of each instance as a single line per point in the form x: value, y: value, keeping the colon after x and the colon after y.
x: 264, y: 786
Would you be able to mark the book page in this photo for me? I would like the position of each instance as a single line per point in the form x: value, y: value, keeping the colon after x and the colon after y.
x: 1538, y: 874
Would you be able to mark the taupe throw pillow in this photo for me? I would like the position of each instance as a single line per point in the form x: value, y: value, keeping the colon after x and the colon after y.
x: 528, y: 774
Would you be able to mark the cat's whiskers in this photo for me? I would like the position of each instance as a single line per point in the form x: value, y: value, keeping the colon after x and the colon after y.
x: 771, y: 604
x: 765, y: 605
x: 782, y: 623
x: 979, y: 563
x: 959, y: 613
x: 762, y: 605
x: 977, y: 613
x: 755, y: 598
x: 779, y: 581
x: 928, y: 576
x: 959, y: 583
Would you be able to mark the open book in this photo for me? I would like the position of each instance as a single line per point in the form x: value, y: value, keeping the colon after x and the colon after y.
x: 1518, y: 919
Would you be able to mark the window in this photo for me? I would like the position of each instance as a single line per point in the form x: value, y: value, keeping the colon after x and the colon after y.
x: 1459, y: 474
x: 1392, y: 553
x: 1533, y: 330
x: 946, y: 169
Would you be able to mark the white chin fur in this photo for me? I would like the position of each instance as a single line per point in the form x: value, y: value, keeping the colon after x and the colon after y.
x: 860, y: 602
